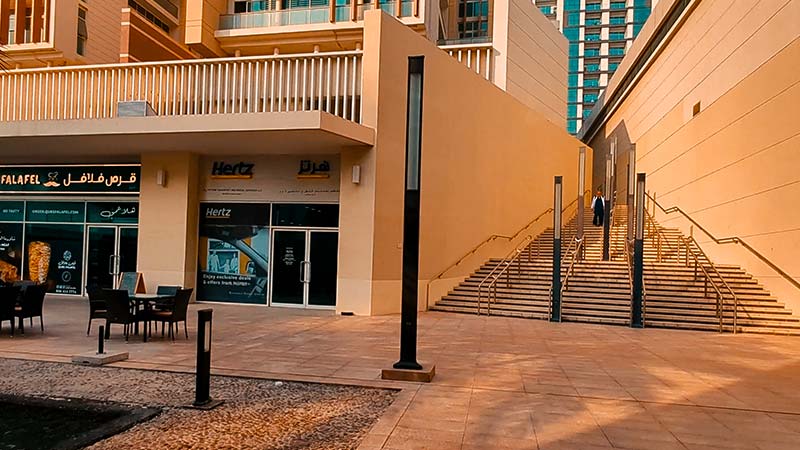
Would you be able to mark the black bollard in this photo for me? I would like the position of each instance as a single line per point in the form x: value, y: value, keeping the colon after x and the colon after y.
x: 101, y: 341
x: 202, y: 398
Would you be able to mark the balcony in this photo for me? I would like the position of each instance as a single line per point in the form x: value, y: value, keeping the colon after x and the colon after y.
x: 313, y: 15
x: 327, y: 82
x: 477, y: 55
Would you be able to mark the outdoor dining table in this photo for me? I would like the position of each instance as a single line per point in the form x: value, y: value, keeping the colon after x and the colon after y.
x: 144, y: 302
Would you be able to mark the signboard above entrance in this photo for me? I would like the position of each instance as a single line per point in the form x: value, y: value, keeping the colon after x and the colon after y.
x: 70, y: 179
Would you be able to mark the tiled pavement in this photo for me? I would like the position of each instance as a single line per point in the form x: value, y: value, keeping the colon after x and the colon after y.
x: 501, y: 383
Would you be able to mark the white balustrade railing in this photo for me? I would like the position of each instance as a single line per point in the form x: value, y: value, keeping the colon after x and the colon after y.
x: 329, y: 82
x: 477, y: 57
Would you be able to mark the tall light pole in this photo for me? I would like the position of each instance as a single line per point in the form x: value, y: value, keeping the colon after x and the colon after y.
x: 637, y: 302
x: 555, y: 302
x: 608, y: 197
x: 407, y: 368
x: 581, y: 198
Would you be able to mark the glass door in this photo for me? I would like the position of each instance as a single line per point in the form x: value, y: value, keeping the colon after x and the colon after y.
x: 304, y: 268
x: 101, y: 250
x: 323, y: 265
x: 127, y: 248
x: 288, y: 267
x: 110, y: 250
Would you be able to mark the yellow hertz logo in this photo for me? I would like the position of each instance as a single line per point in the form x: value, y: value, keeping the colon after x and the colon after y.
x: 240, y: 171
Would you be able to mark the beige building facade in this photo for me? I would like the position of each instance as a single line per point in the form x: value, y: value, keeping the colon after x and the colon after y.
x: 276, y: 180
x: 706, y: 94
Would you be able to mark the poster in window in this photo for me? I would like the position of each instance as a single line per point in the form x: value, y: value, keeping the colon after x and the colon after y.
x: 10, y: 252
x: 234, y: 249
x: 54, y: 256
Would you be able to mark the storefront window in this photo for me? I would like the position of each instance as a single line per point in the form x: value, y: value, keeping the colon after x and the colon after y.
x: 10, y: 252
x: 305, y: 215
x: 54, y: 256
x: 234, y: 252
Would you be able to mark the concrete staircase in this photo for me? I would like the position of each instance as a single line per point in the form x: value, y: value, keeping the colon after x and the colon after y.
x: 599, y: 291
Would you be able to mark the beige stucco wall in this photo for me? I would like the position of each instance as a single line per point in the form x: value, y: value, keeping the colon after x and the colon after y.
x: 168, y: 219
x: 531, y: 59
x: 202, y: 19
x: 733, y: 166
x: 488, y: 162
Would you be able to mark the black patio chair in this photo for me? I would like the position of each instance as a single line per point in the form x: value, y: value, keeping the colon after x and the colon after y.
x: 118, y: 310
x: 31, y: 305
x: 165, y: 304
x: 8, y: 303
x: 97, y: 305
x: 176, y: 315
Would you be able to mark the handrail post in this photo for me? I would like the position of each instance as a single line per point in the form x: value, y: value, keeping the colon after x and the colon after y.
x: 555, y: 314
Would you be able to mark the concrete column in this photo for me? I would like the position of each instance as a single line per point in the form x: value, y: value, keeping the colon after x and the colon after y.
x: 356, y: 233
x: 168, y: 220
x: 19, y: 24
x: 332, y: 10
x: 5, y: 11
x: 37, y: 22
x: 354, y: 4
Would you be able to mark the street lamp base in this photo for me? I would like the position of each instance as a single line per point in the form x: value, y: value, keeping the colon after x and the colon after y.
x: 206, y: 406
x: 424, y: 374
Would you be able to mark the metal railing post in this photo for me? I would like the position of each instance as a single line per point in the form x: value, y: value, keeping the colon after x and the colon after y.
x: 637, y: 302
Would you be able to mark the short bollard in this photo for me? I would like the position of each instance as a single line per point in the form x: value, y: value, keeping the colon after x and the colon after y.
x: 100, y: 341
x: 202, y: 398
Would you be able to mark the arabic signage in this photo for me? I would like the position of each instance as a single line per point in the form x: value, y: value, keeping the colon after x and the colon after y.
x: 234, y: 252
x: 314, y: 169
x: 55, y: 211
x: 91, y: 179
x: 112, y: 212
x: 272, y: 178
x: 12, y: 211
x: 54, y: 256
x: 10, y: 252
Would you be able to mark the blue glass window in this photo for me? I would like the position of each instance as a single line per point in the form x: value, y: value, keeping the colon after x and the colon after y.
x: 636, y: 28
x: 572, y: 126
x: 573, y: 50
x: 593, y: 6
x: 574, y: 19
x: 573, y: 34
x: 613, y: 66
x: 617, y: 5
x: 590, y: 22
x: 616, y: 36
x: 591, y: 82
x: 616, y: 51
x: 617, y: 21
x: 573, y: 64
x: 593, y: 37
x: 546, y: 10
x: 572, y: 111
x: 572, y: 95
x: 589, y: 98
x: 572, y: 5
x: 589, y: 52
x: 586, y: 113
x: 572, y: 80
x: 592, y: 67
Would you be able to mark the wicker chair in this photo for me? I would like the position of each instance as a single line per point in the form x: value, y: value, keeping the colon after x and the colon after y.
x: 31, y: 305
x: 176, y: 315
x: 8, y: 303
x: 118, y: 310
x: 97, y: 305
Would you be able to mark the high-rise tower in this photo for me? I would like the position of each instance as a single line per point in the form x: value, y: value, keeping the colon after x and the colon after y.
x: 599, y: 33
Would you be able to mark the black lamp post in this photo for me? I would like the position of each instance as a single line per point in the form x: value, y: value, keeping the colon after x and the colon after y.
x: 637, y: 306
x: 555, y: 306
x: 408, y: 326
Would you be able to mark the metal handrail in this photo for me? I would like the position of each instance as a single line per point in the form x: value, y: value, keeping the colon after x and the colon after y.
x: 661, y: 237
x: 709, y: 280
x: 574, y: 259
x: 508, y: 261
x: 696, y: 256
x: 495, y: 275
x: 475, y: 249
x: 728, y: 240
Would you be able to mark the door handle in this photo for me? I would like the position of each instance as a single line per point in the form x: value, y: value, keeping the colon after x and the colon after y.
x: 302, y: 271
x: 308, y: 272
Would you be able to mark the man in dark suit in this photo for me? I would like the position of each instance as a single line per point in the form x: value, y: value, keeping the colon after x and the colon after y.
x: 599, y: 208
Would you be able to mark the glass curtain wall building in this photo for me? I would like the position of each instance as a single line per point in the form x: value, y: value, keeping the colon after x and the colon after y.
x: 599, y: 34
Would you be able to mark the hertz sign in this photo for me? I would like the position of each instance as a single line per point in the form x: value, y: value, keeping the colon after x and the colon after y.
x: 221, y: 170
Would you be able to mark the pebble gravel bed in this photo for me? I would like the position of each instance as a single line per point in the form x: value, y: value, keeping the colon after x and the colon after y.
x: 257, y: 414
